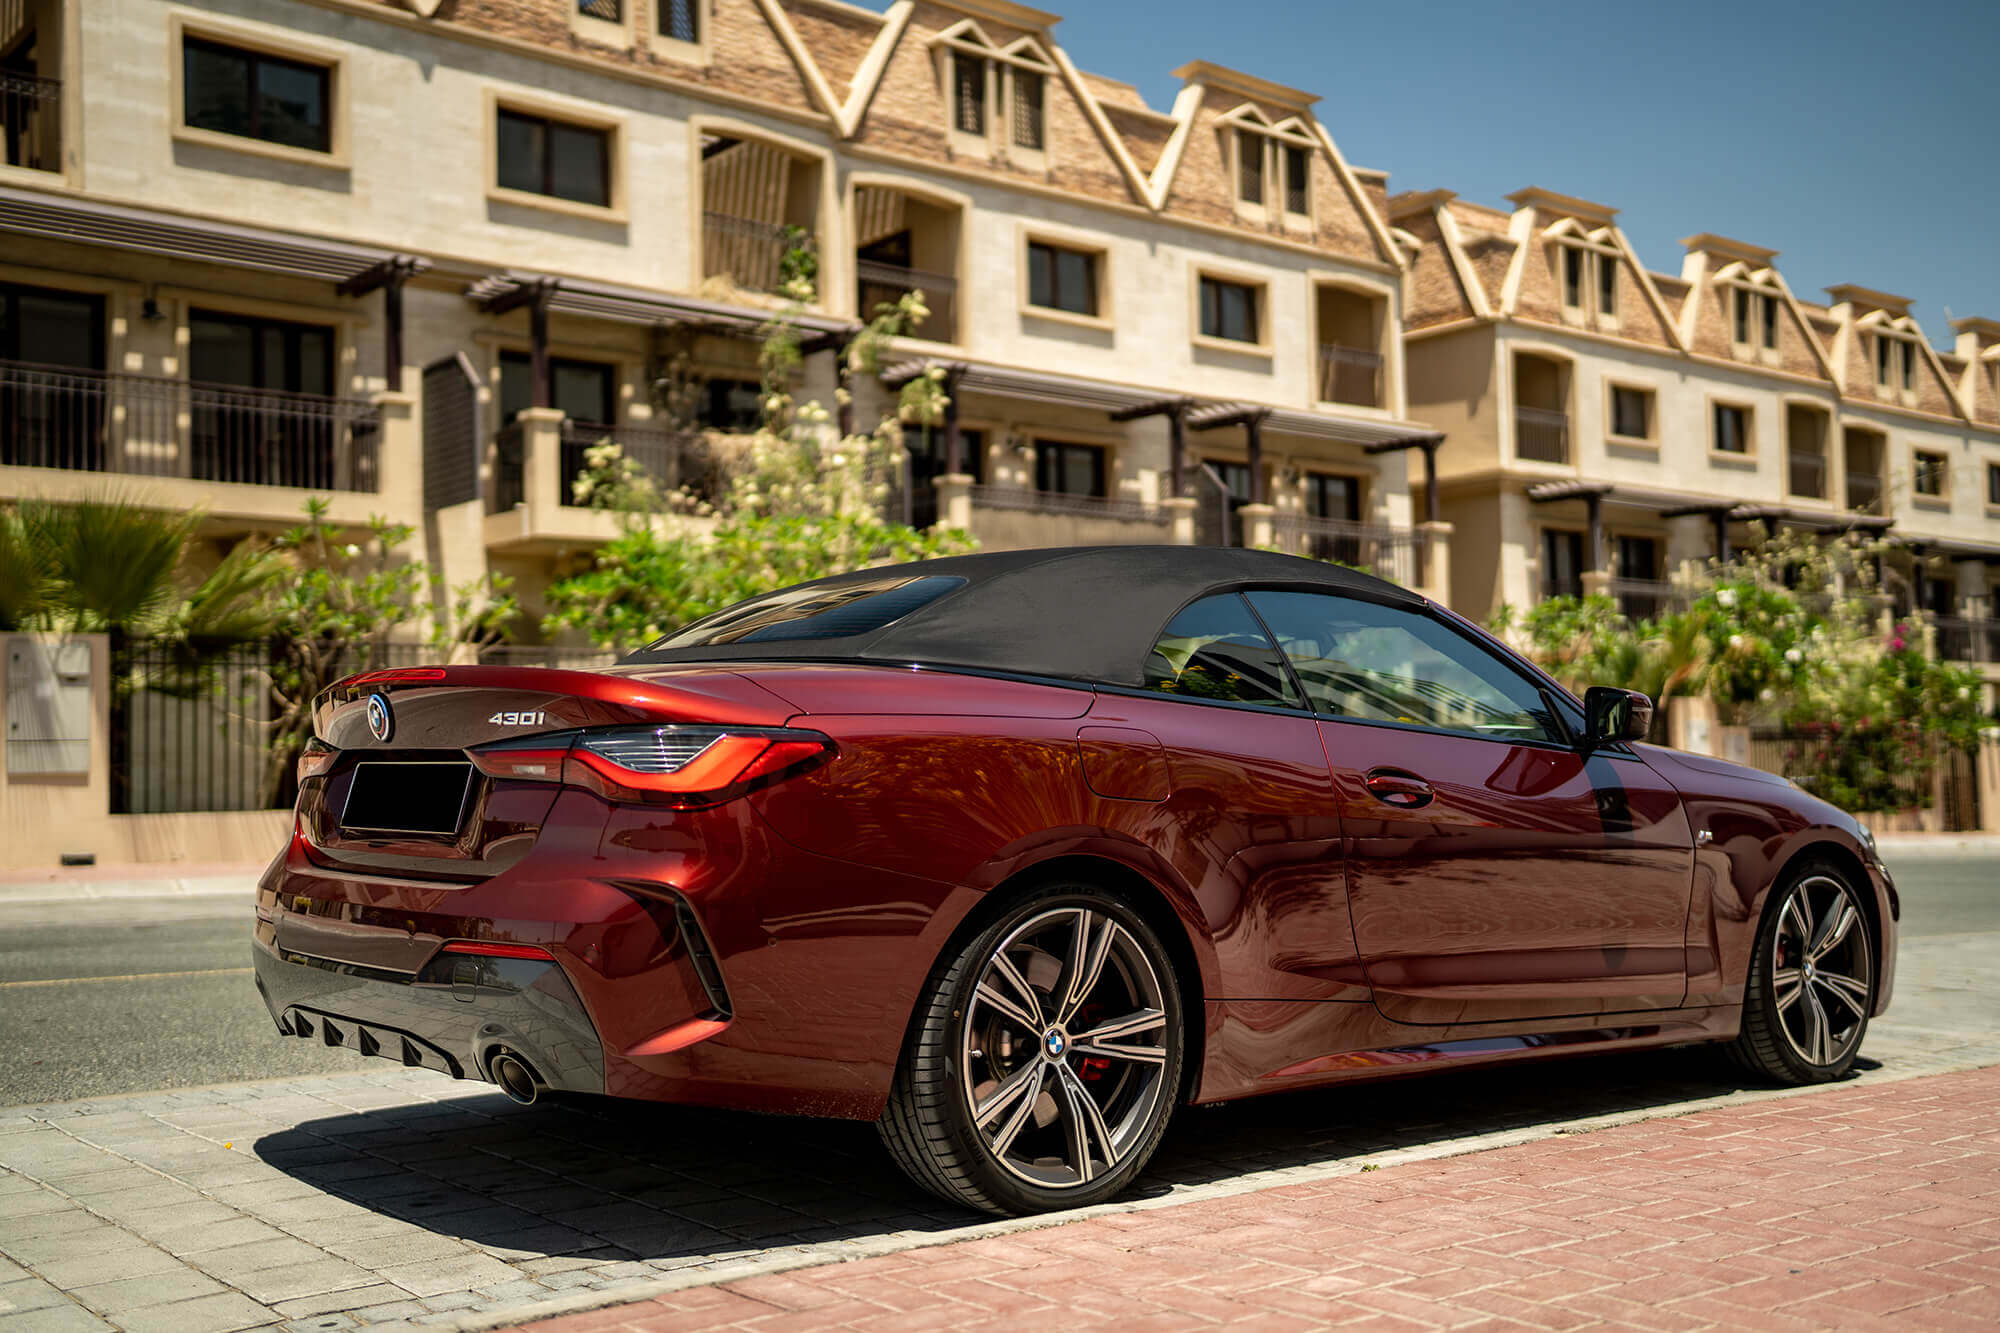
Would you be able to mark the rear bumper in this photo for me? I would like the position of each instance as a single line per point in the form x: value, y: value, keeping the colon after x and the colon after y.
x: 452, y: 1017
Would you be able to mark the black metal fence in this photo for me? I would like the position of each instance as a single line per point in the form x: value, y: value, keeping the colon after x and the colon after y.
x: 151, y: 425
x: 195, y: 728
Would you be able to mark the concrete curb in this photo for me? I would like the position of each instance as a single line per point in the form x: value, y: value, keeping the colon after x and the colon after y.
x: 97, y: 890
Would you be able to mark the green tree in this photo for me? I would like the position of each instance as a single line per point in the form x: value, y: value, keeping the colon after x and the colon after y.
x: 801, y: 502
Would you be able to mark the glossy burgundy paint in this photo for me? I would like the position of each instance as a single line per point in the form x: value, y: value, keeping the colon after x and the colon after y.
x: 1540, y: 901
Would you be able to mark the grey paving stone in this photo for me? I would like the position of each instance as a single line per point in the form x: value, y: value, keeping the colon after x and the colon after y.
x: 389, y: 1314
x: 432, y: 1277
x: 64, y: 1318
x: 108, y: 1298
x: 205, y: 1314
x: 460, y: 1300
x: 233, y: 1261
x: 306, y: 1279
x: 38, y: 1203
x: 28, y: 1294
x: 108, y: 1266
x: 380, y: 1251
x: 348, y: 1298
x: 321, y: 1323
x: 215, y: 1236
x: 149, y: 1222
x: 51, y: 1223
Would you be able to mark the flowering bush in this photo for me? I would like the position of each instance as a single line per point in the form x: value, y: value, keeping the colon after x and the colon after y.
x: 1786, y: 635
x: 800, y: 500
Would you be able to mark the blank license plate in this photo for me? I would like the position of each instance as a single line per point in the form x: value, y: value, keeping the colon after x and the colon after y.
x: 407, y: 798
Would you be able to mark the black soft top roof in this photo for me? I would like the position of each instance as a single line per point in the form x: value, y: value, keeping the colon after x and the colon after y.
x: 1075, y: 612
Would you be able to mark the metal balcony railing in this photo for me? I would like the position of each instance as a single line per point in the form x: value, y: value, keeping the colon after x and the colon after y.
x: 1805, y: 474
x: 147, y: 425
x: 748, y: 251
x: 1541, y: 435
x: 885, y: 284
x: 1350, y: 375
x: 1389, y: 552
x: 1864, y: 492
x: 1966, y: 639
x: 510, y: 452
x: 1646, y: 599
x: 31, y: 121
x: 1057, y: 502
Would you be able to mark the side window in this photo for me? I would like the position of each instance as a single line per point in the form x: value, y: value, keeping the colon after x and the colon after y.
x: 1215, y: 649
x: 1376, y: 663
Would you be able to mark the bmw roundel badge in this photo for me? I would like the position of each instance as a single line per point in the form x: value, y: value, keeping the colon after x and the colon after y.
x: 380, y: 722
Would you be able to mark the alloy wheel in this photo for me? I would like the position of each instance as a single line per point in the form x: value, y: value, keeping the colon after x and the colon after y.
x: 1821, y: 972
x: 1064, y: 1048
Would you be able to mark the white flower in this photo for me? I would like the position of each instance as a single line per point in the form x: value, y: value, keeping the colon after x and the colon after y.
x: 351, y: 550
x: 1794, y: 656
x: 1735, y: 643
x: 1727, y: 597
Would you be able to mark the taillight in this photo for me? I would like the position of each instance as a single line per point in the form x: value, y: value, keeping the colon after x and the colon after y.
x: 316, y: 758
x: 683, y: 767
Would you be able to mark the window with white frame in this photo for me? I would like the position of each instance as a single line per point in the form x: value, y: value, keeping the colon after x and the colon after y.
x: 998, y: 96
x: 1753, y: 318
x: 1930, y: 474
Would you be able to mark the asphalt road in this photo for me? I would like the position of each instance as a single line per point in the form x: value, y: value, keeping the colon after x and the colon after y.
x: 109, y: 997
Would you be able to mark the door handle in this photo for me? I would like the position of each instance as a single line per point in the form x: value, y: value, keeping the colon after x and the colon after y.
x: 1392, y: 786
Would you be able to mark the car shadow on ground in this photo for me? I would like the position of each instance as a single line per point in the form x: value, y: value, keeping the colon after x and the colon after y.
x: 607, y: 1181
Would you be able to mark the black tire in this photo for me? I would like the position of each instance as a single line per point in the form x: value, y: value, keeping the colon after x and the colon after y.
x: 966, y: 1044
x: 1805, y: 1013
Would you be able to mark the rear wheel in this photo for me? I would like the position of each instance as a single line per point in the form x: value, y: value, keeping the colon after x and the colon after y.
x: 1045, y: 1060
x: 1812, y: 982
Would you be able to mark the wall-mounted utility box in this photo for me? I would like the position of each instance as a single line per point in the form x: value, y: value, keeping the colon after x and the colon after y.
x: 48, y: 706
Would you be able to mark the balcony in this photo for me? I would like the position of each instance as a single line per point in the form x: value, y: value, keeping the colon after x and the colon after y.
x: 749, y: 252
x: 673, y: 460
x: 1805, y: 474
x: 1392, y: 553
x: 533, y: 504
x: 1864, y: 492
x: 885, y: 284
x: 1541, y: 435
x: 151, y: 426
x: 1014, y: 517
x: 1962, y: 639
x: 1350, y: 375
x: 1646, y: 599
x: 31, y: 121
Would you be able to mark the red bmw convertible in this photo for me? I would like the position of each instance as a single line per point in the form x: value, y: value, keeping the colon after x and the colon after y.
x: 1015, y: 853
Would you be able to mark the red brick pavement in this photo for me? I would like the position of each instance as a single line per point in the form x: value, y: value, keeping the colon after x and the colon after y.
x: 1859, y: 1207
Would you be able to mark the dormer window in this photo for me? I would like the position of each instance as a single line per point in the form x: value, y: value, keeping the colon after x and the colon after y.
x: 1895, y: 362
x: 1587, y: 266
x: 1272, y: 165
x: 1756, y: 319
x: 998, y: 96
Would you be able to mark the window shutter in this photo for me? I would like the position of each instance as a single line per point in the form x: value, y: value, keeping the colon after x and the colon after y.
x: 1250, y: 167
x: 968, y: 93
x: 1028, y: 109
x: 1298, y: 180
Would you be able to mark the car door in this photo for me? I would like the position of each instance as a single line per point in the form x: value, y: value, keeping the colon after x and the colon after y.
x: 1495, y: 871
x: 1250, y: 822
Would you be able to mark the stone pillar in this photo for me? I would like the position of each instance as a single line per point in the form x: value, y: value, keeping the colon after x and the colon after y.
x: 1986, y: 766
x: 954, y: 500
x: 1256, y: 525
x: 399, y: 456
x: 1596, y: 582
x: 1180, y: 519
x: 542, y: 481
x: 1437, y: 561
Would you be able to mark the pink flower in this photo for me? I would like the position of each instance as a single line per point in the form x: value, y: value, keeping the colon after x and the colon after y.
x: 1898, y: 644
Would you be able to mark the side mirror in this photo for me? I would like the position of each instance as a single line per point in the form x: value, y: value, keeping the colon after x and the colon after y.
x: 1612, y: 715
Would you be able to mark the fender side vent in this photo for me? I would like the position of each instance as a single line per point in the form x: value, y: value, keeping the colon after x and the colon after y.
x: 702, y: 957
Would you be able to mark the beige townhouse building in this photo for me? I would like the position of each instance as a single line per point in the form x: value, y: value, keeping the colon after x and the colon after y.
x: 416, y: 256
x: 1604, y: 423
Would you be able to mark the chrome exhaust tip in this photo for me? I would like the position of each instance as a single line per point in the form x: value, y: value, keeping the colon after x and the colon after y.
x: 516, y: 1078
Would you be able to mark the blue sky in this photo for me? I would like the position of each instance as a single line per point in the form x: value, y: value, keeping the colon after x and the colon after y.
x: 1860, y: 140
